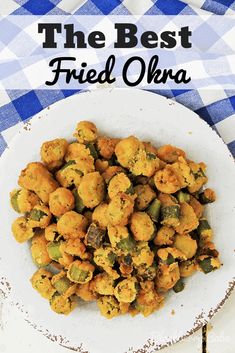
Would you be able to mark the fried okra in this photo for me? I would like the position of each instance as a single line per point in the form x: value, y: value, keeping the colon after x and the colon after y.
x: 53, y: 152
x: 79, y: 153
x: 145, y: 195
x: 143, y: 255
x: 86, y: 292
x: 167, y: 180
x: 113, y: 220
x: 62, y: 304
x: 63, y: 285
x: 109, y: 306
x: 71, y: 173
x: 186, y: 244
x: 72, y: 225
x: 110, y: 172
x: 164, y: 236
x: 41, y: 281
x: 106, y: 146
x: 120, y: 238
x: 120, y: 209
x: 86, y: 131
x: 56, y: 251
x: 132, y: 154
x: 92, y: 189
x: 142, y: 226
x: 148, y: 300
x: 22, y: 230
x: 103, y: 284
x: 23, y: 200
x: 187, y: 220
x: 80, y: 271
x: 167, y: 276
x: 125, y: 291
x: 99, y: 215
x: 169, y: 153
x: 120, y: 183
x: 39, y: 217
x: 39, y: 250
x: 51, y: 232
x: 126, y: 150
x: 61, y: 201
x: 37, y: 178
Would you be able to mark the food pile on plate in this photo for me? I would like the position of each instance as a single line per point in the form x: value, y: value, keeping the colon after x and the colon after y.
x: 117, y: 221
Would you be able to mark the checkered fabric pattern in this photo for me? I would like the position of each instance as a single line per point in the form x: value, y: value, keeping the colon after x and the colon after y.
x: 217, y: 107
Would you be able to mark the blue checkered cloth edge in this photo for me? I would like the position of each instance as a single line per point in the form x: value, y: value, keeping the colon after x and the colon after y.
x: 217, y: 108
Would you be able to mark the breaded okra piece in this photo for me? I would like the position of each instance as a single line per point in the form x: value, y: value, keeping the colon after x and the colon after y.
x: 37, y: 178
x: 53, y: 152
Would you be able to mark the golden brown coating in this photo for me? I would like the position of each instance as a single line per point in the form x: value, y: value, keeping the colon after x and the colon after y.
x: 51, y: 232
x: 188, y: 219
x: 150, y: 148
x: 80, y: 271
x: 41, y: 281
x: 144, y: 163
x: 92, y: 189
x: 110, y: 172
x: 145, y: 195
x: 86, y: 292
x: 169, y: 153
x: 198, y: 170
x: 37, y: 178
x: 86, y: 131
x: 125, y: 291
x: 186, y: 244
x: 62, y: 304
x: 61, y: 201
x: 103, y: 284
x: 39, y: 250
x: 187, y: 268
x: 75, y: 247
x: 142, y: 226
x: 183, y: 172
x: 119, y: 209
x: 117, y: 234
x: 197, y: 206
x: 23, y: 200
x: 165, y: 253
x: 126, y: 150
x: 120, y: 183
x: 109, y: 306
x: 53, y: 152
x: 164, y: 236
x: 80, y: 154
x: 39, y: 217
x: 21, y: 230
x: 167, y: 180
x: 101, y: 165
x: 99, y: 215
x: 167, y: 276
x: 72, y: 172
x: 132, y: 154
x: 122, y: 224
x: 148, y: 300
x: 106, y: 146
x: 72, y: 225
x: 142, y: 255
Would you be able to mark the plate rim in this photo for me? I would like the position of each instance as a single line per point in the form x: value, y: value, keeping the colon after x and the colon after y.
x: 201, y: 320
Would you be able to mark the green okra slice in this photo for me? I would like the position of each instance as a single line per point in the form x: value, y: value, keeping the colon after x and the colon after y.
x: 153, y: 210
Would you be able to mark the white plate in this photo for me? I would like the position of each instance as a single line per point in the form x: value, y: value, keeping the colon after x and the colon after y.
x: 151, y: 117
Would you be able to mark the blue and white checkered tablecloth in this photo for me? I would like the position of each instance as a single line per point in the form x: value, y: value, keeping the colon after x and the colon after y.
x: 217, y: 107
